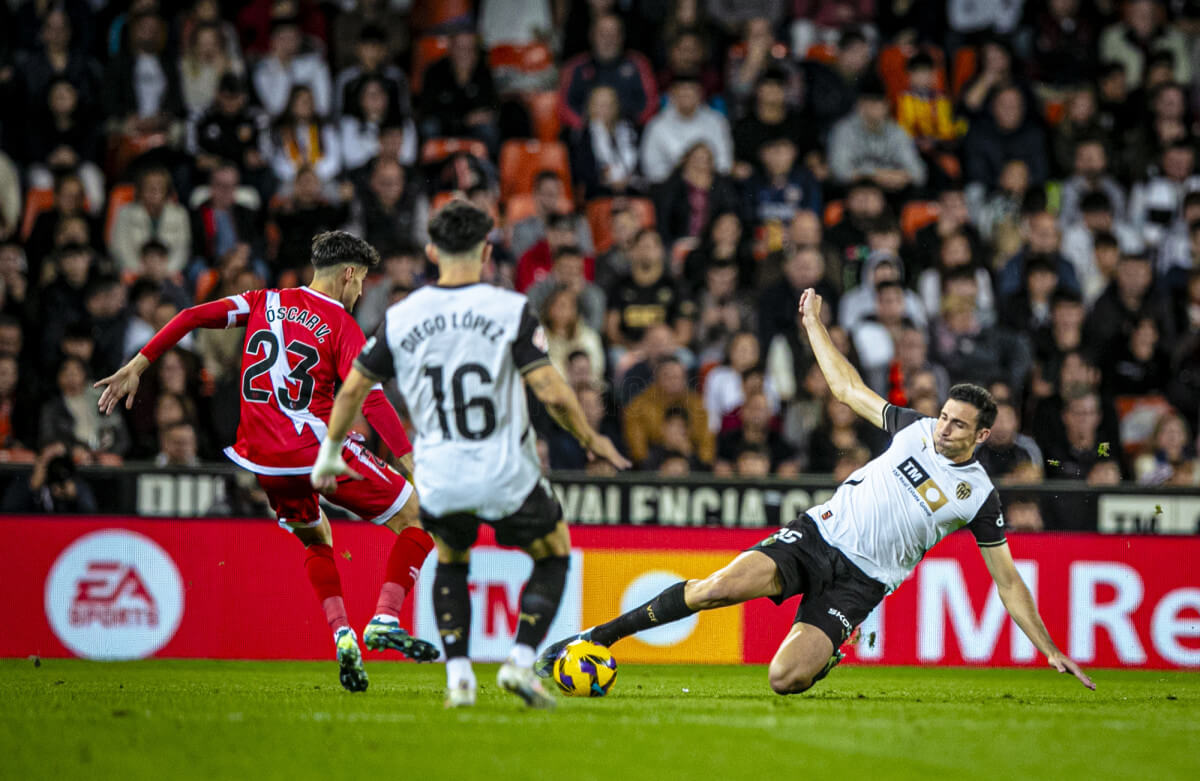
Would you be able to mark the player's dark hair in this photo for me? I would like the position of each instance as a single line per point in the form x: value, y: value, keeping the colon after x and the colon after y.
x: 332, y: 248
x: 979, y: 398
x: 458, y: 227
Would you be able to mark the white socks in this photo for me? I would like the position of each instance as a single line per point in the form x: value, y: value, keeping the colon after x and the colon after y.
x: 384, y: 617
x: 458, y: 670
x: 522, y: 656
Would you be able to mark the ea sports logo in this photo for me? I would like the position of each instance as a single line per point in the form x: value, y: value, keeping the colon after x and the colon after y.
x: 114, y: 595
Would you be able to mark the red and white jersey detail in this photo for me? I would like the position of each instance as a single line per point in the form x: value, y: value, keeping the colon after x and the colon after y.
x: 299, y: 344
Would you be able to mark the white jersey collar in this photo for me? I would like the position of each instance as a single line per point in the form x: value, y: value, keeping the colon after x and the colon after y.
x: 319, y: 294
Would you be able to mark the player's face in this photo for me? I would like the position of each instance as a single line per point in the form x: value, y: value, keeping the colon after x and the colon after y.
x: 354, y: 287
x: 957, y: 431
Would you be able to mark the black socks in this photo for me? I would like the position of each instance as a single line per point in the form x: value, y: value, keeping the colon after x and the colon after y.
x: 452, y: 604
x: 540, y: 599
x: 666, y: 607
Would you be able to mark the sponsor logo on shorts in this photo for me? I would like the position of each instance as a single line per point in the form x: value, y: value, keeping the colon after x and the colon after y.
x: 833, y: 611
x: 963, y: 490
x: 919, y: 479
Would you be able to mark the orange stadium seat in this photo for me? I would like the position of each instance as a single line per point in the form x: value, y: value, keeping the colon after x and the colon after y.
x: 599, y: 215
x: 822, y: 52
x: 436, y: 150
x: 520, y: 162
x: 964, y: 68
x: 520, y: 207
x: 443, y: 198
x: 429, y: 49
x: 916, y: 215
x: 527, y: 57
x: 543, y: 110
x: 833, y: 213
x: 893, y: 68
x: 429, y: 15
x: 37, y: 200
x: 118, y: 196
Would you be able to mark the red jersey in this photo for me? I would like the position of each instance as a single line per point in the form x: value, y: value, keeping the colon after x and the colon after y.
x: 299, y: 344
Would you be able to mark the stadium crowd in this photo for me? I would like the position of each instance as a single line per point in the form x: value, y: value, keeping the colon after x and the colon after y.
x: 1003, y: 193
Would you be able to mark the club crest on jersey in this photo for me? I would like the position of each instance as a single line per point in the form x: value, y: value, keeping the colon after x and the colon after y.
x: 963, y: 490
x: 928, y: 490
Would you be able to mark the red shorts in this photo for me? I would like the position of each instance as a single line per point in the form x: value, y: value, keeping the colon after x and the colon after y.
x: 376, y: 498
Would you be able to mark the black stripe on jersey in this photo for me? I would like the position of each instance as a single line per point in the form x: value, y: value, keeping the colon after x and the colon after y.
x: 364, y: 371
x: 896, y: 418
x: 992, y: 544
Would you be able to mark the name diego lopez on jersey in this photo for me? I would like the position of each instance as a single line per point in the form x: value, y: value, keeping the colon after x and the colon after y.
x: 467, y: 321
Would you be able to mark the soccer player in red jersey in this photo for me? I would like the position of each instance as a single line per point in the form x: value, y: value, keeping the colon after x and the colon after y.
x: 299, y: 343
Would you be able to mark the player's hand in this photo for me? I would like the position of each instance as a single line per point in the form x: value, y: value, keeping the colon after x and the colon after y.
x: 810, y: 308
x: 122, y: 385
x: 602, y: 447
x: 329, y: 467
x: 1064, y: 664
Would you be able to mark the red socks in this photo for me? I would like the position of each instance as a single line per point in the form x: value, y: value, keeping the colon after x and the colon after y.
x: 323, y: 574
x: 404, y: 562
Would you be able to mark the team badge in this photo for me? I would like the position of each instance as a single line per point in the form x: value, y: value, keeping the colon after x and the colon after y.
x: 963, y: 491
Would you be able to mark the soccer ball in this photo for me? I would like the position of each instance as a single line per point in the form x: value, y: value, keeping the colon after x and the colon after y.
x: 585, y: 669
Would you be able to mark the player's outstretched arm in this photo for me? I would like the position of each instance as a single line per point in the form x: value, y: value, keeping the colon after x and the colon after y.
x: 349, y: 400
x: 122, y: 385
x: 550, y: 388
x: 845, y: 383
x: 1019, y: 603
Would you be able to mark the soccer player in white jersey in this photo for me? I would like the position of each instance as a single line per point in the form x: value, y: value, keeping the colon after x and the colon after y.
x: 845, y: 555
x: 459, y: 351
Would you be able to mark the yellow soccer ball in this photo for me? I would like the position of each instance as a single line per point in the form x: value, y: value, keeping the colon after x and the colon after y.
x: 585, y: 669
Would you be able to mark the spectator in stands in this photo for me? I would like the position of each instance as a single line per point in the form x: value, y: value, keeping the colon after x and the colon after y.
x: 303, y: 214
x: 723, y: 384
x: 203, y: 61
x: 645, y: 414
x: 864, y: 205
x: 1064, y: 44
x: 1005, y: 133
x: 1062, y: 335
x: 363, y: 123
x: 72, y: 417
x: 18, y: 412
x: 61, y: 301
x: 232, y: 131
x: 403, y: 266
x: 300, y: 137
x: 458, y: 96
x: 609, y: 64
x: 565, y: 452
x: 722, y: 311
x: 782, y: 189
x: 757, y: 428
x: 688, y: 52
x: 972, y: 353
x: 16, y: 295
x: 912, y: 356
x: 840, y: 432
x: 1081, y: 455
x: 56, y: 57
x: 51, y: 488
x: 155, y: 266
x: 64, y: 139
x: 549, y: 198
x: 676, y: 444
x: 144, y: 297
x: 1163, y: 120
x: 693, y: 193
x: 997, y: 211
x: 1129, y: 299
x: 1139, y: 366
x: 1172, y: 460
x: 538, y: 261
x: 107, y: 323
x: 1089, y: 174
x: 604, y: 152
x: 177, y: 446
x: 803, y: 267
x: 1008, y: 455
x: 1081, y: 241
x: 372, y: 60
x: 1081, y: 120
x: 69, y: 200
x: 1140, y: 33
x: 1042, y: 238
x: 647, y: 296
x: 287, y: 66
x: 1157, y: 201
x: 768, y: 118
x: 724, y: 243
x: 569, y: 270
x: 757, y: 53
x: 927, y: 114
x: 996, y: 70
x: 870, y: 145
x: 859, y: 302
x: 614, y: 263
x: 877, y: 334
x: 1028, y: 309
x: 831, y: 90
x: 682, y: 124
x: 954, y: 252
x: 393, y: 212
x: 141, y: 86
x: 152, y: 215
x: 220, y: 222
x: 566, y: 331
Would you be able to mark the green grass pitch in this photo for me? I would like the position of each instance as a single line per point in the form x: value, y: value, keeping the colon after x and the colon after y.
x: 290, y: 720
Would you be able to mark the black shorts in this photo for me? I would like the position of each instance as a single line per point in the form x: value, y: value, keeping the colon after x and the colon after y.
x: 838, y: 596
x: 534, y: 519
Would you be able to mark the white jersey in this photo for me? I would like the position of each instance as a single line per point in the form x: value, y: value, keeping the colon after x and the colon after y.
x: 887, y: 514
x: 458, y: 355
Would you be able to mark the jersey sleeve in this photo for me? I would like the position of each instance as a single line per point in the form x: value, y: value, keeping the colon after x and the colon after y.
x: 223, y: 313
x: 896, y: 418
x: 529, y: 348
x: 988, y: 523
x: 375, y: 360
